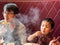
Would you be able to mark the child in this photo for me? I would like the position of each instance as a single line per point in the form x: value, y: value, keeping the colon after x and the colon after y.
x: 43, y: 36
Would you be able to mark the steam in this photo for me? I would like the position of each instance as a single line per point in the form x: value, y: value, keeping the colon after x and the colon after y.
x: 30, y: 18
x: 34, y: 14
x: 23, y: 18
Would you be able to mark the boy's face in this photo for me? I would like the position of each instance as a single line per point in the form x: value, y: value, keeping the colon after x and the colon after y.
x: 8, y: 15
x: 45, y: 27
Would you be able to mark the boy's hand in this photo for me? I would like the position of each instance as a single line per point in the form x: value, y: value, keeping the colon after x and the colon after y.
x: 31, y: 37
x: 38, y: 33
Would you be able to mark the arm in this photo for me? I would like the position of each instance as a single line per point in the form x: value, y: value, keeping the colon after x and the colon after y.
x: 22, y: 33
x: 31, y: 37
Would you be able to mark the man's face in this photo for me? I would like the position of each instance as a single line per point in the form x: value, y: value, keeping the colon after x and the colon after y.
x: 8, y: 15
x: 45, y: 27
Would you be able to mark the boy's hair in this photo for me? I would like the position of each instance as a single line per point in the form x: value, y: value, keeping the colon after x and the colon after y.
x: 11, y: 7
x: 50, y: 21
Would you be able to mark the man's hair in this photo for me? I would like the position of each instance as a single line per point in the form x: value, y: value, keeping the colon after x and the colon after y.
x: 50, y: 21
x: 11, y: 7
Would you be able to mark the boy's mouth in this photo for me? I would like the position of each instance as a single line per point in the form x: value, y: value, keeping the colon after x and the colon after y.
x: 43, y: 31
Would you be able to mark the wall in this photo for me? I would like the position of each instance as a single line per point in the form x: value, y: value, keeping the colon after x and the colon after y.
x: 49, y: 9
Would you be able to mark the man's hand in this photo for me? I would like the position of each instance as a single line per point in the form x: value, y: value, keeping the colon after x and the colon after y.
x: 11, y: 44
x: 1, y: 41
x: 54, y: 42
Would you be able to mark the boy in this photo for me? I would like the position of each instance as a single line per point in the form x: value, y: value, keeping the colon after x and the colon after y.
x: 43, y: 36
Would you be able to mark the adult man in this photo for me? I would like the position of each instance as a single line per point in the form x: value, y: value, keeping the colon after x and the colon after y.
x: 12, y: 29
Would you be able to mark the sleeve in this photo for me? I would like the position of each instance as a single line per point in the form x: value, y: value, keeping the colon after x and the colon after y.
x: 2, y: 29
x: 35, y: 40
x: 22, y: 33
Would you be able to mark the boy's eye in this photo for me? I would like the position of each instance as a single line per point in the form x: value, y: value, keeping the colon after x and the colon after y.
x: 45, y: 26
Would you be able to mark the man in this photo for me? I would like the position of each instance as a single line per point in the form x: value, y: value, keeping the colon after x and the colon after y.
x: 12, y: 29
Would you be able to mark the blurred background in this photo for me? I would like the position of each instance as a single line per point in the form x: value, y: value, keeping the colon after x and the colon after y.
x: 31, y: 13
